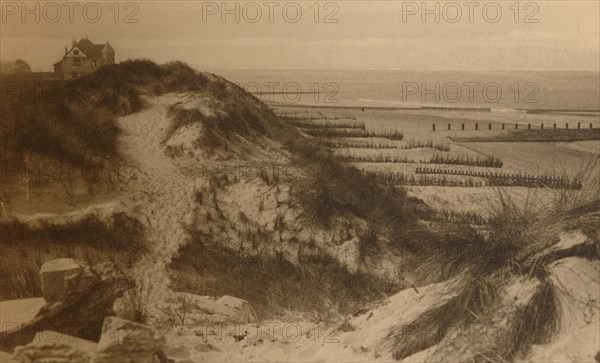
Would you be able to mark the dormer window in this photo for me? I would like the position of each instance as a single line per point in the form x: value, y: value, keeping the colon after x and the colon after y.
x: 75, y: 52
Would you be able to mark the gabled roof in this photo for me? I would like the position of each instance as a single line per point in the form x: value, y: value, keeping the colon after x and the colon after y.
x: 108, y: 49
x: 90, y: 49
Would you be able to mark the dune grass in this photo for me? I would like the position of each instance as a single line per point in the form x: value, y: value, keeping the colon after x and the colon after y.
x: 508, y: 247
x: 511, y: 245
x: 25, y: 248
x: 74, y: 121
x: 241, y: 120
x: 274, y: 286
x: 520, y: 230
x: 431, y: 327
x: 513, y: 249
x: 324, y: 190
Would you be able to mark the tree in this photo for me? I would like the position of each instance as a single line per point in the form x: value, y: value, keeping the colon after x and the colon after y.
x: 21, y: 66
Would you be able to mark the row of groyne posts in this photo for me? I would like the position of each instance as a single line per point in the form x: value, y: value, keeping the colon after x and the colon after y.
x: 516, y: 126
x: 503, y: 179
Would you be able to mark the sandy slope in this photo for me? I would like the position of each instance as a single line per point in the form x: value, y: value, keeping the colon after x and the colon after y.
x: 169, y: 192
x: 168, y: 207
x: 169, y: 184
x: 366, y: 338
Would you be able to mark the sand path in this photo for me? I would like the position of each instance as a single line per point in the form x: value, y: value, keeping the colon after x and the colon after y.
x: 169, y: 193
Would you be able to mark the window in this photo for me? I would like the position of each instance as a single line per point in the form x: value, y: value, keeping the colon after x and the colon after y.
x: 76, y: 61
x: 75, y: 52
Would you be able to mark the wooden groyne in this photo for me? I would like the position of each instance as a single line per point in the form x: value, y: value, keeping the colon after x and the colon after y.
x: 463, y: 178
x: 502, y: 126
x: 505, y: 179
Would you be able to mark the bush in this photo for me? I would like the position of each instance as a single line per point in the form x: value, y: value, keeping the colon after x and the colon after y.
x: 135, y: 304
x: 177, y: 312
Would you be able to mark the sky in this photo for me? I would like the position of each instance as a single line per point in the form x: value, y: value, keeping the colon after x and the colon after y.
x: 307, y: 34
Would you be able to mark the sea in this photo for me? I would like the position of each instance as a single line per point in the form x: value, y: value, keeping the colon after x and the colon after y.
x: 514, y: 90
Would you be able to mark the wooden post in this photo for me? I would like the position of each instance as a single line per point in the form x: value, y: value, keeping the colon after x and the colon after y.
x: 579, y: 126
x: 502, y: 126
x: 591, y: 125
x: 528, y: 126
x: 433, y: 127
x: 449, y: 127
x: 554, y: 126
x: 490, y: 126
x: 567, y: 125
x: 516, y: 126
x: 542, y: 126
x: 463, y: 127
x: 476, y: 126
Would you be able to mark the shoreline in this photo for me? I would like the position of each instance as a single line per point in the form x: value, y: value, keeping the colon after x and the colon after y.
x: 379, y: 108
x: 574, y: 112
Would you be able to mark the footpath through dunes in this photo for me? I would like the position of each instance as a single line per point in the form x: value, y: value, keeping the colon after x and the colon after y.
x: 167, y: 186
x: 323, y: 245
x: 507, y: 314
x: 512, y: 319
x: 240, y: 207
x: 168, y: 192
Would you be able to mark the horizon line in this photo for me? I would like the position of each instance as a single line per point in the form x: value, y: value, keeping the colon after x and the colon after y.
x: 406, y: 69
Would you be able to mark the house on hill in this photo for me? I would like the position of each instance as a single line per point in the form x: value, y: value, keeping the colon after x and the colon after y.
x: 84, y: 57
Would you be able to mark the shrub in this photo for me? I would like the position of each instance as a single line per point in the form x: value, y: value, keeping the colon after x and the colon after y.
x: 178, y: 309
x: 135, y: 304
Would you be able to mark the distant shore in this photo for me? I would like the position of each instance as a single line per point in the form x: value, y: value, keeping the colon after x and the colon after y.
x: 380, y: 108
x: 579, y: 112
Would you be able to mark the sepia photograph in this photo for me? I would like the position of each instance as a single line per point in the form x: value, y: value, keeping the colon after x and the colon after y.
x: 189, y: 181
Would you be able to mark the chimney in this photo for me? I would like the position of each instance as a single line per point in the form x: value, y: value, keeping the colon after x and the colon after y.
x: 65, y: 50
x: 73, y: 42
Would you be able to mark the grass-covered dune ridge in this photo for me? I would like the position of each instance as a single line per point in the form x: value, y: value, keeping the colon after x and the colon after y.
x: 82, y: 127
x: 74, y: 121
x: 329, y: 231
